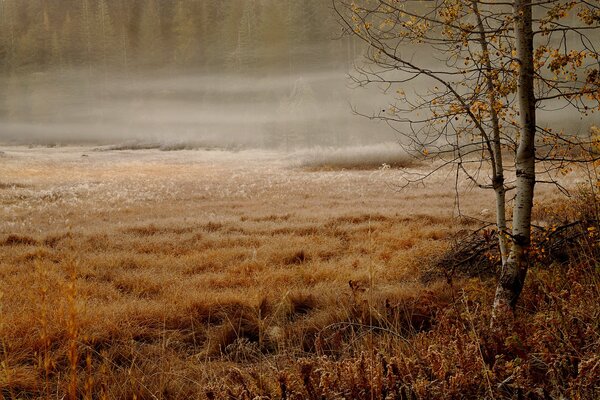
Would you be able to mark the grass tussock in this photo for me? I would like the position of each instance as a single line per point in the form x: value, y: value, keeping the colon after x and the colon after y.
x: 386, y: 155
x: 19, y: 240
x: 200, y: 289
x: 10, y: 185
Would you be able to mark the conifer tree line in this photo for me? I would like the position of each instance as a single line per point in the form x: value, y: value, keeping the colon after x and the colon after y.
x: 235, y: 35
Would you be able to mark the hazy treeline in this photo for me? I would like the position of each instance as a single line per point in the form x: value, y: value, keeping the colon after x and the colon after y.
x: 232, y: 34
x: 268, y: 73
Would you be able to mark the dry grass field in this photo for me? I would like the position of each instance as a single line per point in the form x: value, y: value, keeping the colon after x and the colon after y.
x: 207, y: 274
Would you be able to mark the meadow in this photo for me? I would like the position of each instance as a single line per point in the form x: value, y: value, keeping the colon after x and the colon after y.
x: 155, y: 274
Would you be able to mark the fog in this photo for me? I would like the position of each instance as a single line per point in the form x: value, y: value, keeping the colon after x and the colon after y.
x: 177, y: 109
x: 234, y: 74
x: 194, y: 108
x: 214, y: 73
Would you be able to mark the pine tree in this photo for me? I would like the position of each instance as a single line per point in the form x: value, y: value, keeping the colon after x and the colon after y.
x: 86, y: 32
x: 122, y: 37
x: 6, y: 31
x: 274, y: 35
x: 229, y: 34
x: 150, y: 44
x: 244, y: 56
x: 103, y: 34
x: 69, y: 41
x: 56, y: 53
x: 218, y: 24
x: 32, y: 46
x: 185, y: 35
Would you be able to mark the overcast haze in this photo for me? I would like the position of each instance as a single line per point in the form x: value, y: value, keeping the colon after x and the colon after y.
x: 218, y: 73
x: 234, y: 73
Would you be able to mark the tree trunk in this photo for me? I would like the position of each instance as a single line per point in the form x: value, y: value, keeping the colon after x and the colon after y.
x: 496, y: 145
x: 514, y: 269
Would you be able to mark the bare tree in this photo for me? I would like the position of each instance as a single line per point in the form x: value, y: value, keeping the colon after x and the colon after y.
x: 470, y: 78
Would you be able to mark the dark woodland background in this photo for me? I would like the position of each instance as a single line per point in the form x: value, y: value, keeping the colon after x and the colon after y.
x: 235, y: 35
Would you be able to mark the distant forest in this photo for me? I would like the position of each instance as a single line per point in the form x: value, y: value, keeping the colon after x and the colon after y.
x: 230, y: 35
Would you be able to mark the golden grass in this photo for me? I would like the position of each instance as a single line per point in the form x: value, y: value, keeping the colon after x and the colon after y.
x: 161, y: 275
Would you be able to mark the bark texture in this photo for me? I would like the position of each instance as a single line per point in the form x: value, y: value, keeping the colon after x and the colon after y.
x: 514, y: 269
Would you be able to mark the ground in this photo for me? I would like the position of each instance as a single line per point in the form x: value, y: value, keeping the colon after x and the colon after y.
x: 150, y: 271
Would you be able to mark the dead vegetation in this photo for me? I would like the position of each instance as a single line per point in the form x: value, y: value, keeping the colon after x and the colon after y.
x: 563, y: 230
x: 212, y: 282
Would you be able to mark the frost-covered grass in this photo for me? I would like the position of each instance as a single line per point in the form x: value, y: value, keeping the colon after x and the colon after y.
x: 354, y: 157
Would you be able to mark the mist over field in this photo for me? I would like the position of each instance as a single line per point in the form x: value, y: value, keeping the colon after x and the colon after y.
x: 231, y: 74
x: 195, y: 108
x: 212, y: 73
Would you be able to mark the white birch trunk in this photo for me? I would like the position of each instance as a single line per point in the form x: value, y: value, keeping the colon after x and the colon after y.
x: 497, y: 162
x: 514, y: 269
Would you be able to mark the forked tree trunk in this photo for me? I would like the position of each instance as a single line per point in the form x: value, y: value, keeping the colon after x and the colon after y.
x: 514, y: 269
